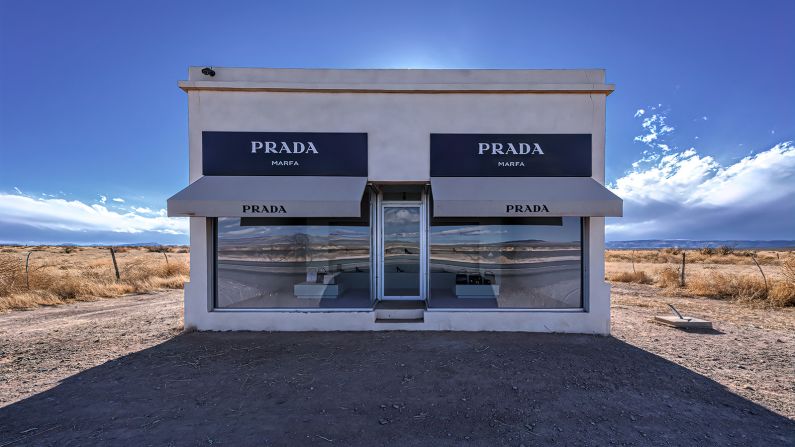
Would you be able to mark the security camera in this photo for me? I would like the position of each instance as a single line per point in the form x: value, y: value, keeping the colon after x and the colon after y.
x: 207, y: 71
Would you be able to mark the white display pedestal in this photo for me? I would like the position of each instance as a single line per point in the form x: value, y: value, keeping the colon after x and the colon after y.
x: 316, y: 291
x: 476, y: 290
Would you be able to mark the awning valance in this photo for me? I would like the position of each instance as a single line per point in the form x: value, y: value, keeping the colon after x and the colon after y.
x: 522, y: 196
x: 275, y: 196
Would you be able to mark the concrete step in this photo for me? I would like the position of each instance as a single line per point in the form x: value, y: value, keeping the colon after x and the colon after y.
x: 399, y: 320
x: 399, y: 314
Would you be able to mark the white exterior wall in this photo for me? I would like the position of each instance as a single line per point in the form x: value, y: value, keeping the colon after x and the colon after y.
x: 399, y: 125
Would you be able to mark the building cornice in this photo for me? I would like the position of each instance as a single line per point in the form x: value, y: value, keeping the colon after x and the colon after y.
x: 425, y: 88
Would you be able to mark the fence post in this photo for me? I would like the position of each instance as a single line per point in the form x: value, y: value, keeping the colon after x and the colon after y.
x: 682, y: 272
x: 633, y: 262
x: 27, y: 275
x: 115, y: 266
x: 165, y: 256
x: 753, y: 256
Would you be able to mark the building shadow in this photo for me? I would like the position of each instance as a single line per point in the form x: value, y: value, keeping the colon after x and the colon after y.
x: 702, y: 331
x: 390, y: 388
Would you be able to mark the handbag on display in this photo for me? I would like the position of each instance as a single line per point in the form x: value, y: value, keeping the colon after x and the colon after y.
x: 321, y: 275
x: 329, y: 278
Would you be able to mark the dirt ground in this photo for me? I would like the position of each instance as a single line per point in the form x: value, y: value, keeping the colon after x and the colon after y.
x: 119, y: 372
x: 751, y: 351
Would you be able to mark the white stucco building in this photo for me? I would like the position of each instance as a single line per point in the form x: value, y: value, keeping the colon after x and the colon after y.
x: 396, y: 200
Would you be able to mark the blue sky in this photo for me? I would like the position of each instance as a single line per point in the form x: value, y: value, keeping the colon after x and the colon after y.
x: 89, y: 106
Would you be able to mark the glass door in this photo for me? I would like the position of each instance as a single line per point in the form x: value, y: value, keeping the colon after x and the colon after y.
x: 402, y: 251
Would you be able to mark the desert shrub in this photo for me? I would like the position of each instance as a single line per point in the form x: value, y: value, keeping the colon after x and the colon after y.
x: 722, y: 286
x: 155, y: 272
x: 67, y: 249
x: 788, y: 268
x: 154, y: 248
x: 661, y: 257
x: 11, y: 274
x: 67, y: 286
x: 27, y: 300
x: 782, y: 294
x: 121, y: 249
x: 707, y: 251
x: 778, y: 292
x: 725, y: 250
x: 672, y: 250
x: 639, y: 277
x: 668, y: 277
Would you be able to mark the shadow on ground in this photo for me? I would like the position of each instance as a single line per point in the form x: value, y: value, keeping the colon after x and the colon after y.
x: 397, y: 388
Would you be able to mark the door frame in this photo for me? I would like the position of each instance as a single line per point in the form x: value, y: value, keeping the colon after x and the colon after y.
x: 379, y: 247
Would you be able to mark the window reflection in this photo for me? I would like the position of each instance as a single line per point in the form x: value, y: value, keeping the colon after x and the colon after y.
x: 402, y: 251
x: 506, y: 263
x: 300, y: 263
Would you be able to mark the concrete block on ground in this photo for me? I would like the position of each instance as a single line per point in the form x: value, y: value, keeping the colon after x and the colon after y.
x: 684, y: 322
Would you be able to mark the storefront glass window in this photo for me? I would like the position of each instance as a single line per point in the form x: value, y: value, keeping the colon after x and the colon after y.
x: 292, y: 263
x: 528, y: 263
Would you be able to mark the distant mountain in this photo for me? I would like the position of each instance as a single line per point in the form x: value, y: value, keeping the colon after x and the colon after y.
x: 687, y: 243
x: 134, y: 244
x: 141, y: 244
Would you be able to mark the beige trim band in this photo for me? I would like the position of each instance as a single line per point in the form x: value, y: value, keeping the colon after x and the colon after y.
x: 481, y: 88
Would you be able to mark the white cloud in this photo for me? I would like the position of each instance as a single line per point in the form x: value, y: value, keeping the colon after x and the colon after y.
x: 248, y: 230
x: 75, y: 216
x: 479, y: 230
x: 674, y: 193
x: 341, y: 231
x: 685, y: 194
x: 654, y: 126
x: 103, y: 199
x: 17, y: 190
x: 144, y: 210
x: 118, y: 200
x: 401, y: 215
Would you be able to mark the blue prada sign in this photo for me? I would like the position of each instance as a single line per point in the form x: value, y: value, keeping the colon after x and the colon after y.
x: 284, y: 153
x: 510, y: 155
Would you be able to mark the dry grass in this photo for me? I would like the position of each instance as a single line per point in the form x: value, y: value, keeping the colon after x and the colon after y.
x: 639, y: 277
x: 61, y: 274
x: 668, y: 277
x: 744, y: 288
x: 772, y: 290
x: 721, y: 255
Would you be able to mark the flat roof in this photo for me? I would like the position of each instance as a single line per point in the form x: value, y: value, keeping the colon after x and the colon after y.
x: 399, y: 80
